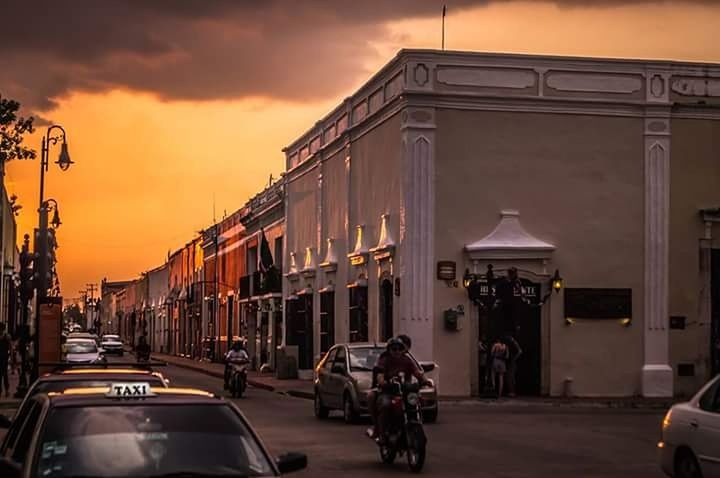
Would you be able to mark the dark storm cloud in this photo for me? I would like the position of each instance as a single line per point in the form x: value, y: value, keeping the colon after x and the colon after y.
x: 198, y: 49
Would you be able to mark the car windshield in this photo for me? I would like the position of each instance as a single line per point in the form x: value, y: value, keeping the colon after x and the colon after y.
x: 364, y: 359
x: 148, y: 441
x: 80, y: 347
x: 61, y: 385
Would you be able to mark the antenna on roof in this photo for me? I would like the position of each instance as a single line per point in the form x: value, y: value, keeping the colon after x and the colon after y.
x: 444, y: 11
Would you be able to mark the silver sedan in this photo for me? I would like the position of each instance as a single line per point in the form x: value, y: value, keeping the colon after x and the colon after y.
x: 343, y: 378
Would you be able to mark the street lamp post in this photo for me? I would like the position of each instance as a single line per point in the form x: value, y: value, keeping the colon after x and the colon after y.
x: 42, y: 268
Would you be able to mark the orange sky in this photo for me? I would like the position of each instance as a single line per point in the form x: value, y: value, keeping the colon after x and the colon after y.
x: 147, y: 169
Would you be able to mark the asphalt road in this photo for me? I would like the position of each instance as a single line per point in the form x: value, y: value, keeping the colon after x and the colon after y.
x: 470, y: 439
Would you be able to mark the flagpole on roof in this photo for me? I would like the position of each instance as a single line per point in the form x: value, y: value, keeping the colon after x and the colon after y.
x: 444, y: 10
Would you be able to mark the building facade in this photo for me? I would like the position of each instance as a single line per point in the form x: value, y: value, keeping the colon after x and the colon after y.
x: 155, y: 310
x: 603, y: 170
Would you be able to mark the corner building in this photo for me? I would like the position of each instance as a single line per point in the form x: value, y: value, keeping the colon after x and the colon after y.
x: 604, y: 170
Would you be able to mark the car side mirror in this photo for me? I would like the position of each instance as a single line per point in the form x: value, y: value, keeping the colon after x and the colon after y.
x: 5, y: 422
x: 339, y: 369
x: 10, y: 468
x: 290, y: 462
x: 428, y: 366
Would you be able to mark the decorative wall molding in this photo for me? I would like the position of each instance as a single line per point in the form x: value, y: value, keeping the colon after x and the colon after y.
x: 309, y: 266
x: 329, y: 264
x: 658, y: 88
x: 593, y: 82
x: 657, y: 375
x: 487, y: 77
x: 360, y: 252
x: 509, y: 240
x: 417, y: 232
x: 386, y: 244
x: 421, y: 74
x: 293, y: 273
x: 708, y: 87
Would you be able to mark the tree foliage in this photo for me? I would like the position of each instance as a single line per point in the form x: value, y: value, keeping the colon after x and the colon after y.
x: 13, y: 129
x: 73, y: 313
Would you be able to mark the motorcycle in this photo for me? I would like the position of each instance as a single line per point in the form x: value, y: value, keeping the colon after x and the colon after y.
x: 238, y: 378
x: 404, y: 433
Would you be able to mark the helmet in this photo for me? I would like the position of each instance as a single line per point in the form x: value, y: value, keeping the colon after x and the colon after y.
x: 395, y: 342
x: 406, y: 340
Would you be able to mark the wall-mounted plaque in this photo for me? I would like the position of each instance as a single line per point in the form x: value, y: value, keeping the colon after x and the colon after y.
x: 598, y: 303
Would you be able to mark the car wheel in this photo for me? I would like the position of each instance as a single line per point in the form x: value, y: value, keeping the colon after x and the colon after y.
x: 349, y: 414
x: 686, y: 465
x: 430, y: 416
x: 321, y: 411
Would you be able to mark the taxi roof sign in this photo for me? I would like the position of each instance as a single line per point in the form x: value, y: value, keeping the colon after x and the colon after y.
x: 130, y: 390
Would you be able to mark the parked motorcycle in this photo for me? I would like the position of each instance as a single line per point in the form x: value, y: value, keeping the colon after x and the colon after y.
x: 404, y: 433
x: 238, y: 378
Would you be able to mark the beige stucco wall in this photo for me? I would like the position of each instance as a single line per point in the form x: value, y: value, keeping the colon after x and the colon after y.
x: 335, y: 195
x: 375, y: 190
x: 695, y: 182
x: 577, y: 183
x: 301, y: 215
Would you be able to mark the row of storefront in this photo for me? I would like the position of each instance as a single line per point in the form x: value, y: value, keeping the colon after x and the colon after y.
x: 567, y: 203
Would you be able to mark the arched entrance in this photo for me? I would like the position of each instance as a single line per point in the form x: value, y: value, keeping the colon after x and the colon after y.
x: 386, y: 308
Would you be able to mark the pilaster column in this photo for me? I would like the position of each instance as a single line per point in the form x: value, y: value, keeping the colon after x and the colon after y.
x: 657, y: 374
x: 417, y: 229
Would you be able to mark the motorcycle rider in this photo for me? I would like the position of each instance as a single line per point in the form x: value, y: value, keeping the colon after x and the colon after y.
x: 236, y: 354
x: 372, y: 394
x: 396, y: 363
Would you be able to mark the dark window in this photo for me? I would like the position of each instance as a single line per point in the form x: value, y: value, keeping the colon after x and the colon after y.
x: 327, y: 320
x: 252, y: 259
x: 164, y: 440
x: 358, y: 314
x: 278, y: 258
x: 386, y: 309
x: 26, y: 434
x: 710, y: 400
x: 341, y: 358
x: 598, y: 303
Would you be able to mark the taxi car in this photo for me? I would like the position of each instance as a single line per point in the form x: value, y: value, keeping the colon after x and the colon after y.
x: 690, y: 445
x: 343, y: 378
x: 136, y: 430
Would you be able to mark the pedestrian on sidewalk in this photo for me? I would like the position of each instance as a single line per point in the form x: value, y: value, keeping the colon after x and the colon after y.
x: 5, y: 347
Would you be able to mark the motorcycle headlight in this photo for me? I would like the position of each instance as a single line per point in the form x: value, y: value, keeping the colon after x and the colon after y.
x: 413, y: 399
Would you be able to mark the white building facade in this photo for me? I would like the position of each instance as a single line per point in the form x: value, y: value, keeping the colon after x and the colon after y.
x: 603, y: 170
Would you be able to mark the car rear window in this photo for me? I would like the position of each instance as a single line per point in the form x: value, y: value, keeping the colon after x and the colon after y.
x: 147, y: 441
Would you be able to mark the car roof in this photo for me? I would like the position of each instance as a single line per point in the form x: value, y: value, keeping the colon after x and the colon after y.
x: 91, y: 374
x: 96, y: 396
x: 80, y: 340
x: 363, y: 345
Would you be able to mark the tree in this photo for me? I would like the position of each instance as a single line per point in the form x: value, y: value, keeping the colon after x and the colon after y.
x: 12, y: 133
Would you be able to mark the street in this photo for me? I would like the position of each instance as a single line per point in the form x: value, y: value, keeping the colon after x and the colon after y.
x: 469, y: 439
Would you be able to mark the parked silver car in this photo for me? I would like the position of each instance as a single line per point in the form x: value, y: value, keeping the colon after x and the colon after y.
x: 344, y: 376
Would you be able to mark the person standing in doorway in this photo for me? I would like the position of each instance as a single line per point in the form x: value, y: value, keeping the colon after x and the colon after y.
x: 511, y: 376
x: 5, y: 348
x: 499, y: 354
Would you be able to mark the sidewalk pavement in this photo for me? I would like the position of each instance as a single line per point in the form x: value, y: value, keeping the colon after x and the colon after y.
x: 304, y: 389
x: 293, y: 387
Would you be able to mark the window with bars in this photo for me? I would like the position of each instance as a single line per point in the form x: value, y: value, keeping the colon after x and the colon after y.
x: 327, y: 321
x: 358, y: 314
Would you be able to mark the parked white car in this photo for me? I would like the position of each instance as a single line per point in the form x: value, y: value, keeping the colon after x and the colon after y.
x: 690, y: 446
x: 82, y: 351
x: 112, y: 345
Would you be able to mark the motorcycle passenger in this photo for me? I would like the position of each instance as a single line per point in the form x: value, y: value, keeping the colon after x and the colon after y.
x: 373, y: 393
x: 236, y: 354
x: 395, y: 363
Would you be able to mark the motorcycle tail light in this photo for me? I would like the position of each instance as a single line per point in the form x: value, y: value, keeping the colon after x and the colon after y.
x: 397, y: 401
